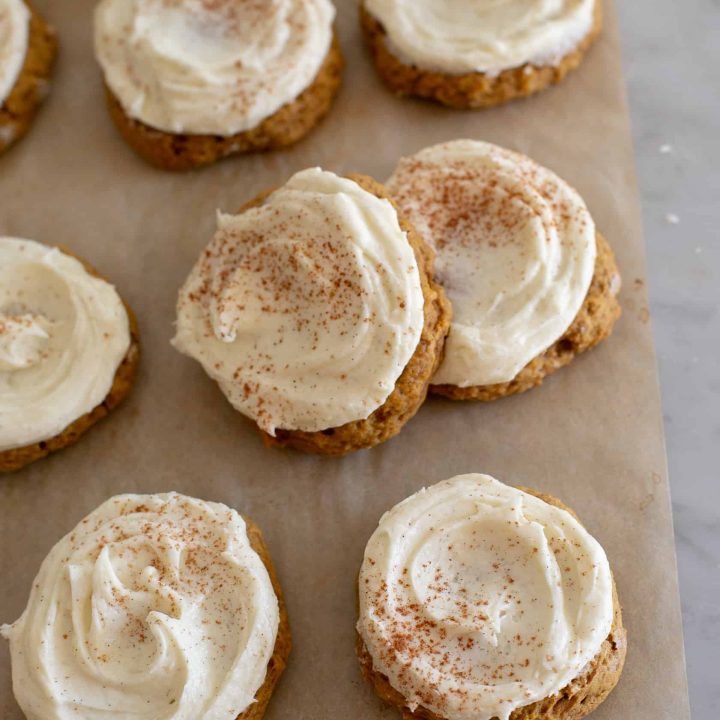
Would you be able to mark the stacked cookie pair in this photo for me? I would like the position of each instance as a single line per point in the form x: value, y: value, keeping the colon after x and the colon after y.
x: 327, y: 309
x: 476, y: 601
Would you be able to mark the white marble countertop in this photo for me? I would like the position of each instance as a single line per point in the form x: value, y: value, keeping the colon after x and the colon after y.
x: 671, y: 60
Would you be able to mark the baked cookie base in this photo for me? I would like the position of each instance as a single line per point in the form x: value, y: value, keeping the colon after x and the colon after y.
x: 576, y: 700
x: 32, y: 85
x: 474, y: 90
x: 17, y: 458
x: 283, y: 642
x: 289, y: 124
x: 412, y: 385
x: 593, y: 324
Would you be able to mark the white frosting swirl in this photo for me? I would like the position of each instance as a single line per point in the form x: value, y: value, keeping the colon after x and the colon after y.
x: 515, y: 252
x: 23, y: 341
x: 489, y: 36
x: 63, y: 335
x: 14, y: 36
x: 153, y: 607
x: 306, y: 309
x: 477, y: 598
x: 210, y: 66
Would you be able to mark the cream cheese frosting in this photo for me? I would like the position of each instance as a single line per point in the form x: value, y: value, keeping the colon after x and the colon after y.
x: 210, y: 66
x: 307, y: 308
x: 515, y: 250
x: 488, y: 36
x: 477, y: 598
x: 153, y: 607
x: 63, y: 335
x: 14, y: 36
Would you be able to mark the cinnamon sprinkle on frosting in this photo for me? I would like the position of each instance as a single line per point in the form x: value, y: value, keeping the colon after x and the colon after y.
x: 477, y: 599
x: 307, y: 307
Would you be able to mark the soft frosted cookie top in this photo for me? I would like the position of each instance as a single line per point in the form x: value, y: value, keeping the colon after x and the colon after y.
x: 515, y: 253
x: 14, y: 34
x: 306, y: 308
x: 153, y: 607
x: 210, y: 66
x: 460, y: 36
x: 477, y: 598
x: 63, y: 335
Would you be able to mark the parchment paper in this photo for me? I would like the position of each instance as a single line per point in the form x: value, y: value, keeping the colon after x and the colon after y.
x: 592, y: 435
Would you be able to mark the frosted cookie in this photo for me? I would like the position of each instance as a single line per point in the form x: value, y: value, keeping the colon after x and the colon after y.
x: 69, y: 348
x: 479, y: 601
x: 27, y: 50
x: 154, y: 606
x: 189, y: 82
x: 468, y: 54
x: 315, y: 310
x: 531, y: 281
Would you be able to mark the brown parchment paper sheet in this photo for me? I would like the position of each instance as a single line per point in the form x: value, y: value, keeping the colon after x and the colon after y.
x: 592, y: 435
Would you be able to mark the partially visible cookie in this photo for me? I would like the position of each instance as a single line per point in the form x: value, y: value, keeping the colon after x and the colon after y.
x: 316, y: 312
x: 182, y: 102
x: 457, y: 607
x: 187, y: 620
x: 283, y: 641
x: 28, y: 46
x: 531, y: 280
x: 480, y: 58
x: 59, y: 373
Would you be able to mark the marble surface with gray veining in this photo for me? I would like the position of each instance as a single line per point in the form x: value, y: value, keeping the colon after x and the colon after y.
x: 671, y: 58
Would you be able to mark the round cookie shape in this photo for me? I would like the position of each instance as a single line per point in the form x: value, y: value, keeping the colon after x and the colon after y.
x: 188, y: 66
x: 154, y: 606
x: 482, y: 601
x: 477, y: 54
x: 308, y: 307
x: 195, y: 82
x: 68, y: 350
x: 27, y: 51
x: 516, y: 252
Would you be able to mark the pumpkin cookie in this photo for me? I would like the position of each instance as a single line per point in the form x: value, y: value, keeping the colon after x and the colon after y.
x: 69, y: 349
x: 27, y: 50
x: 531, y: 281
x: 188, y: 617
x: 477, y: 54
x: 194, y: 83
x: 485, y: 601
x: 316, y: 312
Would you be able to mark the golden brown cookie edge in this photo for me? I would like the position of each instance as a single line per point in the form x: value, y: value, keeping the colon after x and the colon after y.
x: 32, y: 86
x: 577, y: 699
x: 294, y: 120
x: 593, y: 324
x: 469, y: 91
x: 283, y: 641
x: 17, y: 458
x: 412, y: 386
